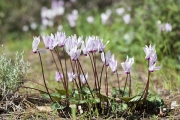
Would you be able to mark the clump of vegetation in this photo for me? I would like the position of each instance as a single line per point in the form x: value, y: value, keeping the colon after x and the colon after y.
x: 89, y: 98
x: 12, y: 74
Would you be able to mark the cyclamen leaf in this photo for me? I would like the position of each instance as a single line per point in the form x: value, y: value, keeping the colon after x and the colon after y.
x: 56, y: 106
x: 135, y: 98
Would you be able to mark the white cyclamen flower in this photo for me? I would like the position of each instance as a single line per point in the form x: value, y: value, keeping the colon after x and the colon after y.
x: 74, y: 53
x: 46, y: 40
x: 72, y: 18
x: 83, y: 79
x: 101, y: 47
x: 127, y: 65
x: 120, y: 11
x: 53, y: 42
x: 107, y: 58
x: 168, y: 27
x: 127, y: 18
x: 58, y: 76
x: 90, y: 19
x: 35, y: 44
x: 61, y: 38
x: 113, y: 64
x: 71, y: 76
x: 149, y: 51
x: 105, y: 16
x: 153, y: 58
x: 153, y: 67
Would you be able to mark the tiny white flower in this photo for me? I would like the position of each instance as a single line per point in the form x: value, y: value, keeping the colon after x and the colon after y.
x: 127, y: 18
x: 90, y: 19
x: 168, y: 27
x: 72, y: 18
x: 105, y: 16
x: 120, y: 11
x: 25, y: 28
x: 174, y: 104
x: 33, y: 25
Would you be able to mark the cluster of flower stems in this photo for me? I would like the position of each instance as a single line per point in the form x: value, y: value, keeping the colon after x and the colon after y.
x: 90, y: 46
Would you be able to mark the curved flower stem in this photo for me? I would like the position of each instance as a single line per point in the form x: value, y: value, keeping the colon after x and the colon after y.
x: 118, y: 81
x: 85, y: 77
x: 39, y: 84
x: 78, y: 74
x: 57, y: 69
x: 72, y: 65
x: 125, y: 85
x: 65, y: 68
x: 44, y: 76
x: 101, y: 75
x: 76, y: 84
x: 106, y: 82
x: 77, y: 88
x: 94, y: 60
x: 57, y: 51
x: 66, y: 80
x: 93, y: 67
x: 34, y: 89
x: 147, y: 87
x: 129, y: 84
x: 100, y: 82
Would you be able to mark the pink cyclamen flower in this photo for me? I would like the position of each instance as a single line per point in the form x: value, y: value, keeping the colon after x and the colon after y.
x: 83, y: 79
x: 113, y: 64
x: 71, y: 76
x: 149, y: 51
x: 58, y: 76
x: 107, y: 58
x: 35, y: 44
x: 127, y: 65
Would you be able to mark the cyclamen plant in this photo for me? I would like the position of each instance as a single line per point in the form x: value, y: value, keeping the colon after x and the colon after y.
x: 152, y: 59
x: 73, y: 46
